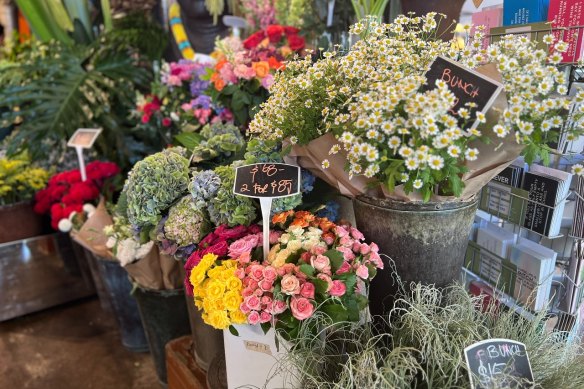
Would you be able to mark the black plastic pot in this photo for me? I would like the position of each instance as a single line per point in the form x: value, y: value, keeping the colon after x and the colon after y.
x: 124, y: 306
x: 165, y: 317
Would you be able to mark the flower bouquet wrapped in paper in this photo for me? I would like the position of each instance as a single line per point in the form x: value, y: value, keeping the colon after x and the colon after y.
x: 368, y: 122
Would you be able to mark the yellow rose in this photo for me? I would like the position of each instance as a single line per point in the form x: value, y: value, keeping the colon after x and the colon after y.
x: 199, y: 304
x: 237, y: 317
x: 215, y: 289
x: 232, y: 300
x: 273, y: 251
x: 214, y: 272
x: 229, y: 264
x: 212, y: 305
x: 219, y: 320
x: 233, y: 283
x: 197, y: 277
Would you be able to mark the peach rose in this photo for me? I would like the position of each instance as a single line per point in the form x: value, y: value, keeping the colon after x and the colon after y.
x: 262, y: 68
x: 290, y: 285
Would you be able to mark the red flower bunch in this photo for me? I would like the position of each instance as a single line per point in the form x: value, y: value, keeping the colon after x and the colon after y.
x: 274, y: 33
x: 149, y: 108
x: 66, y: 193
x: 217, y: 242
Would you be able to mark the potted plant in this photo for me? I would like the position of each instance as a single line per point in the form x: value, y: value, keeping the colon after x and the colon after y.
x: 414, y: 164
x: 19, y: 181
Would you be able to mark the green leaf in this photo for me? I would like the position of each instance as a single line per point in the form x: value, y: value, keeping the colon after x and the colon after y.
x: 307, y: 269
x: 350, y: 283
x: 190, y: 140
x: 352, y: 309
x: 372, y: 271
x: 336, y: 312
x: 362, y: 301
x: 266, y: 327
x: 320, y: 286
x: 107, y: 15
x: 233, y: 331
x: 336, y: 258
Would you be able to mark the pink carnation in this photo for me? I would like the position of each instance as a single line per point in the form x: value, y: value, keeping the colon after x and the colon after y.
x: 268, y: 81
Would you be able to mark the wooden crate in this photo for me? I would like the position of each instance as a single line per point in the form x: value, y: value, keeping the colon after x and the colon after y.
x: 182, y: 371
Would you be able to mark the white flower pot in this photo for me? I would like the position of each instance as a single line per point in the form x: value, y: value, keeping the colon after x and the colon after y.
x: 252, y: 360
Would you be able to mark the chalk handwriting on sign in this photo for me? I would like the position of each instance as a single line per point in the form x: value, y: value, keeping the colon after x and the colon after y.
x: 267, y: 180
x: 498, y: 363
x: 258, y: 347
x: 467, y: 86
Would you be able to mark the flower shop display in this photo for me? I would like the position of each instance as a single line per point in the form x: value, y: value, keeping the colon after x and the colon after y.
x: 177, y: 101
x: 219, y: 144
x: 245, y: 70
x: 19, y: 181
x: 414, y: 163
x: 66, y: 193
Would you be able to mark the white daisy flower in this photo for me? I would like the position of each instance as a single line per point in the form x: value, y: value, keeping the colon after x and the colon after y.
x: 418, y: 183
x: 435, y: 162
x: 577, y: 169
x: 411, y: 164
x: 471, y: 154
x: 326, y: 164
x: 454, y: 151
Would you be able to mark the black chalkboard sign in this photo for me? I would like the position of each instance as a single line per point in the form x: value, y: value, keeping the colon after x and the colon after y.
x: 467, y: 85
x: 498, y: 363
x: 267, y: 180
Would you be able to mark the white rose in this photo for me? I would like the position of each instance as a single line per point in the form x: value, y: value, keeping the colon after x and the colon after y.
x: 65, y: 225
x: 88, y: 208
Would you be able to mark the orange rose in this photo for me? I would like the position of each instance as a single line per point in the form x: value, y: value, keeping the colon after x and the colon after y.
x: 281, y: 218
x: 274, y: 63
x: 219, y: 84
x: 325, y: 224
x: 220, y: 64
x: 261, y: 68
x: 307, y: 216
x: 299, y: 223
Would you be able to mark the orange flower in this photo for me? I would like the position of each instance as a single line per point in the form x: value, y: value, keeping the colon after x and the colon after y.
x: 262, y: 68
x: 325, y: 224
x: 220, y: 64
x: 285, y: 51
x: 265, y: 43
x: 281, y: 217
x: 304, y: 215
x: 215, y: 76
x: 219, y: 84
x: 275, y: 64
x: 299, y: 223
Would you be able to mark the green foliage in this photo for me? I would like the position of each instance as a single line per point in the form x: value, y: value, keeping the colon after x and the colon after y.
x: 243, y: 99
x: 154, y: 184
x: 219, y: 142
x: 67, y: 89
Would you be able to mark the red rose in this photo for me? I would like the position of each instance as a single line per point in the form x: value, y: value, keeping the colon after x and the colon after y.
x: 166, y: 122
x: 225, y: 233
x: 274, y: 32
x: 254, y: 40
x: 295, y: 42
x: 254, y: 229
x: 208, y: 240
x: 98, y: 170
x: 220, y: 249
x: 289, y: 30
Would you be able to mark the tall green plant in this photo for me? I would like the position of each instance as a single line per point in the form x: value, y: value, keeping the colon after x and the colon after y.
x: 67, y: 89
x: 365, y: 8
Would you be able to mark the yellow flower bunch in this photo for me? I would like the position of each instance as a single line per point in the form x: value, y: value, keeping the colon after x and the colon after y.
x: 19, y: 181
x: 217, y: 292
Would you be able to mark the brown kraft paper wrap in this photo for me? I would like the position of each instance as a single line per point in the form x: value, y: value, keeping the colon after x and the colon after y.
x: 493, y: 158
x: 91, y: 235
x: 171, y: 272
x: 146, y: 272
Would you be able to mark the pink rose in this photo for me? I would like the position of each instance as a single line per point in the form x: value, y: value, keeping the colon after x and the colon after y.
x: 364, y: 249
x: 253, y: 318
x: 266, y: 285
x: 252, y: 301
x: 346, y: 241
x: 270, y: 273
x: 247, y: 292
x: 326, y: 278
x: 356, y: 247
x: 348, y: 254
x: 244, y: 71
x: 244, y: 308
x: 321, y: 263
x: 290, y: 284
x: 256, y: 272
x: 278, y: 306
x: 329, y: 240
x: 318, y: 250
x: 265, y: 317
x: 345, y: 268
x: 237, y: 248
x: 376, y: 259
x: 305, y: 257
x: 356, y: 234
x: 301, y: 308
x: 244, y: 258
x: 374, y: 247
x: 259, y: 292
x: 363, y: 272
x: 227, y: 74
x: 240, y: 273
x: 307, y: 290
x: 360, y: 287
x: 341, y: 232
x: 288, y: 268
x: 338, y: 289
x: 266, y: 302
x: 275, y: 236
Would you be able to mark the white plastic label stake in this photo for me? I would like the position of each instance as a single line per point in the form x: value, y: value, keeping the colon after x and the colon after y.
x: 79, y: 150
x: 266, y: 206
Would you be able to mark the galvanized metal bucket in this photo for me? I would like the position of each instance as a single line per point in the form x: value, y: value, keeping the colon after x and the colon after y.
x: 207, y: 341
x: 426, y: 241
x: 165, y: 317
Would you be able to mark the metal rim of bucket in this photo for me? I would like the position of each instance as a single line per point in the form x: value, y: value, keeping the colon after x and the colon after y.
x: 416, y: 206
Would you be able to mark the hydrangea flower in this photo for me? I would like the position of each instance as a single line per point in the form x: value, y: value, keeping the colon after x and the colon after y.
x: 204, y: 186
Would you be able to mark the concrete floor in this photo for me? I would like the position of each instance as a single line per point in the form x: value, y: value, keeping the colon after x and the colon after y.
x: 70, y: 347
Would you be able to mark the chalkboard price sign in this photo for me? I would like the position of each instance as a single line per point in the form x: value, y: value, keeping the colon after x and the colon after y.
x: 267, y: 180
x: 498, y: 363
x: 467, y: 85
